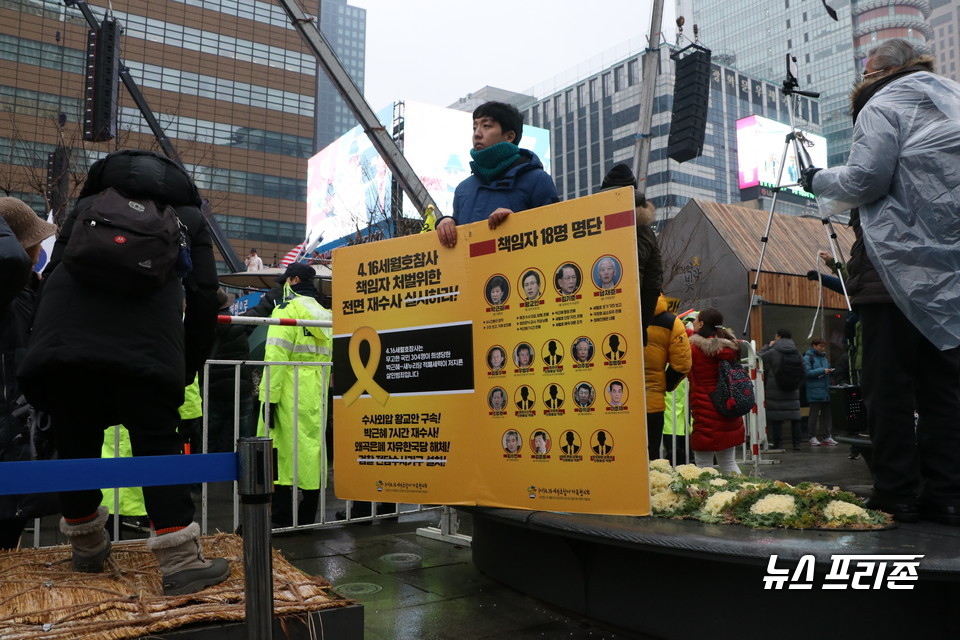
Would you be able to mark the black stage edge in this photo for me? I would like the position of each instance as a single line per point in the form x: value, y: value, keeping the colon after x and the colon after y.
x: 686, y: 579
x: 341, y: 623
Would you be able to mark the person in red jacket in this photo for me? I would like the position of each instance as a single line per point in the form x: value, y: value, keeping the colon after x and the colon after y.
x: 713, y: 434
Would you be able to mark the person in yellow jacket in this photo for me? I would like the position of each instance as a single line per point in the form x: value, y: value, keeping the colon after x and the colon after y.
x: 666, y: 362
x: 297, y: 344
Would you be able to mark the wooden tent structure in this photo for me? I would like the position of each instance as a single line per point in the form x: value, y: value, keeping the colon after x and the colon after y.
x: 710, y: 254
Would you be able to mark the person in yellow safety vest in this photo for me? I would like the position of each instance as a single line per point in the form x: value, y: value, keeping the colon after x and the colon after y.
x: 666, y: 362
x: 132, y: 507
x: 297, y: 344
x: 676, y: 419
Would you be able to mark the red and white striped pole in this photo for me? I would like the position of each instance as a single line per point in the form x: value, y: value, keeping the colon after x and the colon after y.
x: 284, y: 322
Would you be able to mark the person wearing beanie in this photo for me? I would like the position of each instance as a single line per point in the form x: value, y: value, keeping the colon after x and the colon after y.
x: 649, y: 262
x: 21, y: 232
x: 504, y: 178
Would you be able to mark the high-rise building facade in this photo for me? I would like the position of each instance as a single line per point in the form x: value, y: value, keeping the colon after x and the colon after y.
x: 229, y: 81
x: 945, y: 40
x: 755, y: 38
x: 344, y: 28
x: 593, y: 125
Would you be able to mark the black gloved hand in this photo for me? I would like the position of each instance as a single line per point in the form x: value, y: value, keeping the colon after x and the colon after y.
x: 272, y: 420
x: 806, y: 178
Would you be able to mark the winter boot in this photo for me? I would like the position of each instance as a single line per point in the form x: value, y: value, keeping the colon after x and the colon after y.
x: 184, y: 568
x: 90, y: 542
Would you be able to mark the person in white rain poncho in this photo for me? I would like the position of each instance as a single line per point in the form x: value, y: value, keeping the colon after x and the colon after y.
x: 902, y: 182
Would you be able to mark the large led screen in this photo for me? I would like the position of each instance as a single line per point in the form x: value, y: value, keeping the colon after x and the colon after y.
x: 759, y: 150
x: 348, y: 188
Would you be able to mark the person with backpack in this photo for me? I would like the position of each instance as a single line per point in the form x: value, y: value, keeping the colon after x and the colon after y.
x: 714, y: 434
x: 102, y: 353
x: 817, y: 391
x: 784, y: 370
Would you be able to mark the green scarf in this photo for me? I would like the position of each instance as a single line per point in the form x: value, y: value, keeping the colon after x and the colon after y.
x: 493, y: 162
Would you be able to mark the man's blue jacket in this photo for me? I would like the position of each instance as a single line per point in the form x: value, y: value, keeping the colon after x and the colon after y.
x: 525, y: 185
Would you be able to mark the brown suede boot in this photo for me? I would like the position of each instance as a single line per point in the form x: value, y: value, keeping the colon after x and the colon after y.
x: 90, y: 542
x: 184, y: 568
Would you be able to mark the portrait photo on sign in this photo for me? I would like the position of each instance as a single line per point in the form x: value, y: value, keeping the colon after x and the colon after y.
x: 497, y: 399
x: 582, y: 349
x: 570, y: 442
x: 511, y: 442
x: 540, y: 441
x: 583, y: 394
x: 614, y: 347
x: 553, y: 396
x: 523, y: 355
x: 606, y: 272
x: 601, y: 442
x: 497, y: 290
x: 496, y: 357
x: 568, y: 279
x: 552, y: 353
x: 524, y: 397
x: 531, y: 283
x: 616, y: 393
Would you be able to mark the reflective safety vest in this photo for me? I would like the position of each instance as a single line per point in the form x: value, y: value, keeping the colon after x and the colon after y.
x: 298, y: 344
x: 131, y: 498
x: 675, y: 415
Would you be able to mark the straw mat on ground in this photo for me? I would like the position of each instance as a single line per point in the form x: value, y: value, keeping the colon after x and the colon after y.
x: 41, y: 597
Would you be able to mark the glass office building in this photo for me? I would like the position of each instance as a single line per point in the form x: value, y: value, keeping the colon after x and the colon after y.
x: 755, y: 38
x: 230, y: 82
x: 593, y: 125
x: 344, y: 28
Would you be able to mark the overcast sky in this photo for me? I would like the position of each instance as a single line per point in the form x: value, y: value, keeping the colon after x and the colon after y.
x: 437, y: 51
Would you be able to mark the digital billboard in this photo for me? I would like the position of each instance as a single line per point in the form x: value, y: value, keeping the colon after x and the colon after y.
x: 348, y: 186
x: 759, y: 150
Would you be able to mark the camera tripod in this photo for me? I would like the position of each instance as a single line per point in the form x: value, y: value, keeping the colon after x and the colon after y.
x: 802, y: 160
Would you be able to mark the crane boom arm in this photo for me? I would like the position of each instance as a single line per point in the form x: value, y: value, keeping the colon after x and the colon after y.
x: 385, y: 145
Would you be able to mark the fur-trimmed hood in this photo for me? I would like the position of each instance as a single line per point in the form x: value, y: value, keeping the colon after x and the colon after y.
x: 646, y: 212
x: 713, y: 346
x: 861, y: 92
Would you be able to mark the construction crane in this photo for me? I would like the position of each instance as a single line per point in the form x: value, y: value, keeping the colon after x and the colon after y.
x: 385, y: 145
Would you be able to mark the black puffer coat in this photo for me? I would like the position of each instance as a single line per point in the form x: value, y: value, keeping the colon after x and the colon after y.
x: 93, y: 341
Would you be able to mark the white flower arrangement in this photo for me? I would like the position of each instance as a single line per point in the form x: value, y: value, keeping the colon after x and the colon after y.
x: 702, y: 493
x: 775, y: 503
x: 838, y: 509
x: 660, y: 480
x: 666, y: 501
x: 690, y: 471
x: 661, y: 464
x: 718, y: 502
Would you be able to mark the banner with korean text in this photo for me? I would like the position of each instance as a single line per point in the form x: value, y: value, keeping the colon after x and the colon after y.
x: 507, y: 371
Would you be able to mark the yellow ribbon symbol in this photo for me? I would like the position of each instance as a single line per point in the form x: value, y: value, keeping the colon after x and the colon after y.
x: 365, y: 372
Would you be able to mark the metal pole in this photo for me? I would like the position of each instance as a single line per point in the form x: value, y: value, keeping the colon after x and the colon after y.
x: 651, y: 59
x: 255, y: 486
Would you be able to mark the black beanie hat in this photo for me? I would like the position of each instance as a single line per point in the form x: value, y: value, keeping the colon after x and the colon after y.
x: 619, y: 176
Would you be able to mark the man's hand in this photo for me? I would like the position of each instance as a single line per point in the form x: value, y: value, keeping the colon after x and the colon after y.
x: 824, y: 255
x: 447, y: 232
x: 806, y: 178
x: 497, y: 217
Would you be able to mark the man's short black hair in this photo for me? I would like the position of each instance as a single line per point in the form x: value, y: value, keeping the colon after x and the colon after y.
x: 784, y: 333
x: 506, y: 115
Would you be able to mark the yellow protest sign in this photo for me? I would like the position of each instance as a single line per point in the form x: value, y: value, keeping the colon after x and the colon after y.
x: 506, y: 371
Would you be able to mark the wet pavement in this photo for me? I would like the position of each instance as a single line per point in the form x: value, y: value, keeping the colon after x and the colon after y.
x: 416, y: 588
